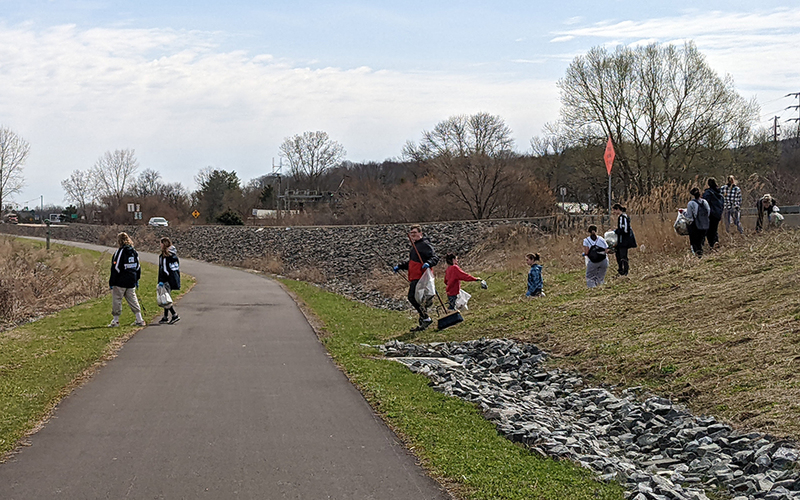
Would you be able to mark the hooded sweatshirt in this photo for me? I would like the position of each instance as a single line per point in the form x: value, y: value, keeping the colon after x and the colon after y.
x: 125, y: 268
x: 169, y: 269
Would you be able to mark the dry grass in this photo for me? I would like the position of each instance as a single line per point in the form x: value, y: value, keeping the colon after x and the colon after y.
x: 270, y: 264
x: 721, y: 334
x: 35, y: 282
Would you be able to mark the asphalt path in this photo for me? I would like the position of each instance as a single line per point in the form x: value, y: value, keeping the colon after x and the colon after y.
x: 237, y: 400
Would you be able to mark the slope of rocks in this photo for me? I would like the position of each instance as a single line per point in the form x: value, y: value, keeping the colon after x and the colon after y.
x: 658, y: 450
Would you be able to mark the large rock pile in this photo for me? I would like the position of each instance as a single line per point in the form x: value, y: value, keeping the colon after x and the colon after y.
x: 656, y: 449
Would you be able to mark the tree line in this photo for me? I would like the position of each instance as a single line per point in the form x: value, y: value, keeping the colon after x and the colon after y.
x: 670, y: 116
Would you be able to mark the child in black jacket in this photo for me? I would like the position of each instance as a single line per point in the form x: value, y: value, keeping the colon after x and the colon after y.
x: 169, y: 275
x: 124, y: 279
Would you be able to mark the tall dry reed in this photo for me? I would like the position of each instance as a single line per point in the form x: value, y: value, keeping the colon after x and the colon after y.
x: 35, y: 282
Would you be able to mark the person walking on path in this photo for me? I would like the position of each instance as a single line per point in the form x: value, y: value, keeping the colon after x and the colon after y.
x: 625, y: 238
x: 453, y: 276
x: 535, y: 281
x: 766, y: 206
x: 124, y: 279
x: 169, y: 276
x: 595, y: 250
x: 697, y: 217
x: 421, y: 257
x: 716, y: 202
x: 732, y: 195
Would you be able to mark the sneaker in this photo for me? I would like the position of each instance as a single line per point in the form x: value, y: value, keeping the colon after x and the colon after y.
x: 138, y: 323
x: 425, y: 323
x: 174, y: 319
x: 163, y: 321
x: 113, y: 324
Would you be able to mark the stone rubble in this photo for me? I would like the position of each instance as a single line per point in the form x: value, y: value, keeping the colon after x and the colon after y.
x: 657, y: 449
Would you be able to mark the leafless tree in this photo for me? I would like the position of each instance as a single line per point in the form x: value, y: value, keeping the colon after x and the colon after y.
x: 663, y: 107
x: 148, y: 183
x: 13, y: 153
x: 311, y: 154
x: 113, y: 174
x: 471, y: 155
x: 79, y: 189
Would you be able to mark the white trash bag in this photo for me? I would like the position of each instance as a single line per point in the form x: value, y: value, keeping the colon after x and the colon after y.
x: 461, y: 300
x: 163, y: 298
x: 611, y: 239
x: 681, y: 224
x: 426, y: 288
x: 776, y: 218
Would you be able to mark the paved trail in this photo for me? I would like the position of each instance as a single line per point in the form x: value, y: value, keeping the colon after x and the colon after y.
x: 237, y: 400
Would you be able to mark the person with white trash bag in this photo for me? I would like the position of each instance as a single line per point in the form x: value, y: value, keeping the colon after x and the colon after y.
x: 169, y: 278
x: 453, y: 276
x: 422, y: 257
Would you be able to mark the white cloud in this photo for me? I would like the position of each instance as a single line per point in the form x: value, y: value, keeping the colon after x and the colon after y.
x: 183, y: 104
x: 565, y: 38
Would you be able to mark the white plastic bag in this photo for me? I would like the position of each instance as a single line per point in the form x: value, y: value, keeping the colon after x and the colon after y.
x: 426, y: 288
x: 681, y: 224
x: 163, y: 298
x: 776, y: 218
x: 461, y: 300
x: 611, y: 239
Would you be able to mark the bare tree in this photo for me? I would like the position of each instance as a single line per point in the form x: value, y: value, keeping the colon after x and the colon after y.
x: 113, y: 173
x: 471, y: 154
x: 663, y: 107
x: 13, y: 153
x: 79, y: 189
x: 148, y: 183
x: 311, y: 154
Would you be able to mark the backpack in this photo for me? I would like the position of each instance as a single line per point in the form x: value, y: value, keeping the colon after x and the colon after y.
x: 596, y: 254
x: 701, y: 220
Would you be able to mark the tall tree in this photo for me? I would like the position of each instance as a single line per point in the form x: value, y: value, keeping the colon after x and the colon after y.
x: 148, y: 183
x: 79, y: 189
x: 663, y: 107
x: 472, y: 155
x: 217, y: 191
x: 113, y: 174
x: 13, y: 153
x: 310, y: 155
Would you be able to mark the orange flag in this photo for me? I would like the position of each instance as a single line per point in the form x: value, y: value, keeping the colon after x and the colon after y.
x: 609, y: 155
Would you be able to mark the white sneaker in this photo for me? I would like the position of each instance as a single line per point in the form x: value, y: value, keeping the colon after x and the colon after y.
x: 113, y: 324
x: 138, y: 323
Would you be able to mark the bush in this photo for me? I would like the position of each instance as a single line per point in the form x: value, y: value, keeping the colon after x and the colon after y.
x: 230, y: 218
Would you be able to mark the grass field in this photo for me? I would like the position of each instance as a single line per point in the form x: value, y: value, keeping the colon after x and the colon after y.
x: 451, y: 437
x: 42, y: 361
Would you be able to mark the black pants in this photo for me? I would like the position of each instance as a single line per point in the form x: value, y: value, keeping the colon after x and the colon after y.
x: 421, y: 309
x: 712, y: 234
x: 696, y: 237
x: 622, y: 260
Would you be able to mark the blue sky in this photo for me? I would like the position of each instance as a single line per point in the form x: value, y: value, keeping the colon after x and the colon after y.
x: 196, y: 84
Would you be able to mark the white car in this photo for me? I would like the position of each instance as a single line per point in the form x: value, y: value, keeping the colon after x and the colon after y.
x: 157, y: 221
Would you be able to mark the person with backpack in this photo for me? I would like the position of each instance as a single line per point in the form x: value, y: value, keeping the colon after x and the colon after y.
x: 595, y: 250
x: 169, y: 276
x: 716, y: 203
x: 698, y: 219
x: 625, y: 238
x: 421, y: 257
x: 733, y: 204
x: 124, y: 280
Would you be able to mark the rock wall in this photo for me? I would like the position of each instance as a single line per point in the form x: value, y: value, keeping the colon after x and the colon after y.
x: 336, y: 251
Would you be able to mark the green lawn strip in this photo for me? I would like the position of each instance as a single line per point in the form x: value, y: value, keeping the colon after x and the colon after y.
x: 451, y: 437
x: 41, y: 362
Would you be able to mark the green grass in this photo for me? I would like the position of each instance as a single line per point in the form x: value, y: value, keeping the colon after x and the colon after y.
x: 450, y: 436
x: 41, y: 361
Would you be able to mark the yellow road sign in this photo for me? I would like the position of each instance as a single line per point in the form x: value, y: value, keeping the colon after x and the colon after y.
x: 195, y: 214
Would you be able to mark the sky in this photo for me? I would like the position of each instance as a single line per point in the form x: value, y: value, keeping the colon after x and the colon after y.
x: 193, y: 84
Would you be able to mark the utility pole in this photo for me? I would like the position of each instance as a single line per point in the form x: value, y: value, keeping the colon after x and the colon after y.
x: 797, y: 107
x: 775, y: 129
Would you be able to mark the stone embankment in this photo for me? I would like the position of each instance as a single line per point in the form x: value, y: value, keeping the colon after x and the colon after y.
x: 658, y: 450
x: 339, y: 257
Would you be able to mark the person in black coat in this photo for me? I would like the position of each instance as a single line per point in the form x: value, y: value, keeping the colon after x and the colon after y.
x: 169, y: 276
x: 625, y: 238
x: 124, y: 279
x: 421, y: 256
x: 713, y: 195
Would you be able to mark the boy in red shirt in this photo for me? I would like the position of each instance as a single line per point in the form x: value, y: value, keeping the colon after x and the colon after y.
x: 453, y: 277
